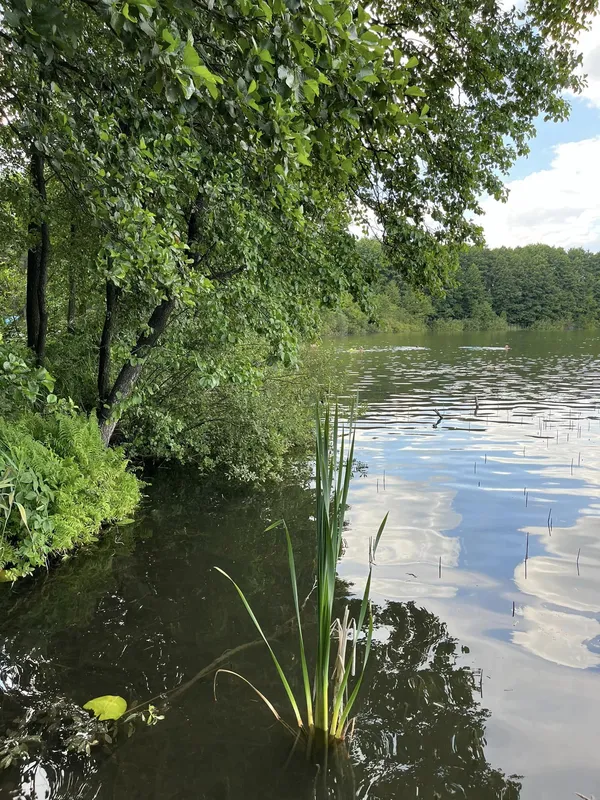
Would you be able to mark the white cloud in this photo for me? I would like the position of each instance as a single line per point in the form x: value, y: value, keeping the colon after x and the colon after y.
x: 558, y: 206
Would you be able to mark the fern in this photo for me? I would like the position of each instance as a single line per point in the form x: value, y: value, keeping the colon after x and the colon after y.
x: 58, y: 486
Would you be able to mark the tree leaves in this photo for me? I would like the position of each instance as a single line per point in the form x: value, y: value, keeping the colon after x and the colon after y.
x: 208, y: 144
x: 414, y: 91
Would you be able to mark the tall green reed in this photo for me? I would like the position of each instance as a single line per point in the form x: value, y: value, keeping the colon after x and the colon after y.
x: 331, y: 695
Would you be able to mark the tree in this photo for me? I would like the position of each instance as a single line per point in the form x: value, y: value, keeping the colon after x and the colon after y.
x: 487, y: 72
x: 173, y: 157
x: 190, y: 104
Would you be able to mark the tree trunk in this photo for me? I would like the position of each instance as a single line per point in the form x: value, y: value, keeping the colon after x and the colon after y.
x: 40, y: 345
x: 112, y: 297
x: 72, y: 293
x: 130, y: 371
x: 32, y: 313
x: 37, y: 262
x: 71, y: 306
x: 108, y: 414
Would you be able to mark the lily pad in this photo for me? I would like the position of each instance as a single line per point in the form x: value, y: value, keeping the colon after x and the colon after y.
x: 109, y: 706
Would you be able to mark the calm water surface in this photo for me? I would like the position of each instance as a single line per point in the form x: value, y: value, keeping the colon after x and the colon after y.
x: 484, y: 682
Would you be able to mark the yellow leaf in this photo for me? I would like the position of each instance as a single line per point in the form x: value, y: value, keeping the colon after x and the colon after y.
x: 109, y: 706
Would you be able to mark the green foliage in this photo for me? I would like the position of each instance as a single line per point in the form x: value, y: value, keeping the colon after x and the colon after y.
x: 537, y: 286
x: 58, y: 485
x: 236, y: 414
x: 201, y: 162
x: 22, y: 385
x: 329, y: 700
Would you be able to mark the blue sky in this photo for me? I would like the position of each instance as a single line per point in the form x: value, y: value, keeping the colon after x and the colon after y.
x: 555, y: 192
x: 584, y: 123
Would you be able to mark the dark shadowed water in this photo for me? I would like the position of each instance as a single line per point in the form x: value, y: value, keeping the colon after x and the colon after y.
x: 484, y: 681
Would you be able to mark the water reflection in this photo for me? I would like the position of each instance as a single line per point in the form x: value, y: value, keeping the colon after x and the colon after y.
x: 421, y: 732
x: 490, y: 457
x: 515, y: 455
x: 144, y: 611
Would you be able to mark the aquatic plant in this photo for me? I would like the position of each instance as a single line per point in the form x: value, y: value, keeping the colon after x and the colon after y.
x: 329, y: 699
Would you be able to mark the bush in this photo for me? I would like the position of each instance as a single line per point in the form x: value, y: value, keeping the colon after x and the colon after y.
x: 391, y: 311
x: 244, y: 432
x: 58, y: 486
x: 448, y: 326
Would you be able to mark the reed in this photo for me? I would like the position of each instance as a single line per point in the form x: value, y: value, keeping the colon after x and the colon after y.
x: 329, y: 697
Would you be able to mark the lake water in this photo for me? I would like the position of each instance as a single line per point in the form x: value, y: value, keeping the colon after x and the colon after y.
x: 484, y: 681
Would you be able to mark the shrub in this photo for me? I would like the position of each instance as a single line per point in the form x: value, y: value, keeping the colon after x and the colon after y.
x: 247, y: 427
x: 58, y: 486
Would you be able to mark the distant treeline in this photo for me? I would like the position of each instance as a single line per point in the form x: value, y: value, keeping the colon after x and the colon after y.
x: 535, y: 286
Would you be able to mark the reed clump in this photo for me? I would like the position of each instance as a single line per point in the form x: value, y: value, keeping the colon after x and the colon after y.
x: 330, y: 694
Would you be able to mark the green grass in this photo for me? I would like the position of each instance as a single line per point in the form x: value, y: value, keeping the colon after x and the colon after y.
x: 329, y: 697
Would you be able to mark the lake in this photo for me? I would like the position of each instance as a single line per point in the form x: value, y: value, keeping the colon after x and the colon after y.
x: 484, y: 680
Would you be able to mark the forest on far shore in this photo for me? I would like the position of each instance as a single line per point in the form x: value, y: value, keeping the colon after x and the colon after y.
x: 536, y: 286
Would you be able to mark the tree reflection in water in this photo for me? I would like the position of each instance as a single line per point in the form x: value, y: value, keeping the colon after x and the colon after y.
x: 420, y: 731
x: 419, y: 734
x: 145, y: 621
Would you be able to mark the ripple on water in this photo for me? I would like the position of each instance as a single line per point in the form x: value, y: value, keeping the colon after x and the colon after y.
x: 511, y: 469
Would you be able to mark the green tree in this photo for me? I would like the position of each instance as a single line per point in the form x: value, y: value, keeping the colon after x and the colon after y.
x: 203, y: 160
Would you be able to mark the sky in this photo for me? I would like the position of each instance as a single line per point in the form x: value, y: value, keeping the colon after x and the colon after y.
x: 555, y: 191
